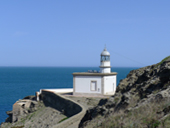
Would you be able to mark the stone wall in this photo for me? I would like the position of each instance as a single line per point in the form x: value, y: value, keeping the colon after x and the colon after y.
x: 68, y: 107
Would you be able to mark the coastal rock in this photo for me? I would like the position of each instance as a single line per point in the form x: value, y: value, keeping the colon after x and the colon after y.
x: 144, y: 86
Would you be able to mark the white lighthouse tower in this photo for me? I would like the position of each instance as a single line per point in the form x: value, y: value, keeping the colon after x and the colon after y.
x: 105, y: 62
x: 96, y: 83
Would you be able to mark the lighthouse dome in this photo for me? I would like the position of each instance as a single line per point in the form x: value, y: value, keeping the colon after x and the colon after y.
x: 105, y: 53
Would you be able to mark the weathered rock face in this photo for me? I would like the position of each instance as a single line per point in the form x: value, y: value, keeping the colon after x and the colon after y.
x: 22, y: 108
x: 30, y: 113
x: 140, y: 87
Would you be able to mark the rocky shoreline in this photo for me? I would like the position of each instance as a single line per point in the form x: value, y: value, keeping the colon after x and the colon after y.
x: 33, y: 114
x: 36, y: 114
x: 142, y: 99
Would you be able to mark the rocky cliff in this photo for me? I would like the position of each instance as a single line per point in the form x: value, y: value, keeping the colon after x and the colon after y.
x: 142, y: 99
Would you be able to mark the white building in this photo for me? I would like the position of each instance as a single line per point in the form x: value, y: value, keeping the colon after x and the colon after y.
x: 96, y: 83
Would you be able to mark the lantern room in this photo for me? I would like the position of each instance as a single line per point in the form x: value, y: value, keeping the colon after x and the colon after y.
x: 105, y: 62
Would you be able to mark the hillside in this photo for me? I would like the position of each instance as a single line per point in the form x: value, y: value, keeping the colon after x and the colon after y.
x: 142, y: 99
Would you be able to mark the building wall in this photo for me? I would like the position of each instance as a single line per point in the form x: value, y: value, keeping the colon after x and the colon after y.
x: 83, y: 84
x: 109, y: 84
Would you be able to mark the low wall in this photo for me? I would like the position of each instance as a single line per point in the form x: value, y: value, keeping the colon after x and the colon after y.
x: 70, y: 108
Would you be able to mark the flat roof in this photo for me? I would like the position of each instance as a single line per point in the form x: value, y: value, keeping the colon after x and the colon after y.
x: 93, y: 74
x: 61, y: 90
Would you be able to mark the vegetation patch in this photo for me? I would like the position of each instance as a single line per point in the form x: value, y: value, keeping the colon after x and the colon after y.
x: 152, y: 123
x: 149, y: 116
x: 155, y: 91
x: 63, y: 119
x: 24, y: 119
x: 166, y: 58
x: 31, y: 115
x: 116, y: 99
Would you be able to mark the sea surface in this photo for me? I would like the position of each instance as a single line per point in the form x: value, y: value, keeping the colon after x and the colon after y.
x: 18, y: 82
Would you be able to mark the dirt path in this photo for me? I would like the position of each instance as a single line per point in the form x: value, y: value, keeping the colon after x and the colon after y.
x: 86, y: 102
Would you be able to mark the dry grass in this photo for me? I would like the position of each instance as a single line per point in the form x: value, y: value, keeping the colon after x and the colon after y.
x: 147, y: 116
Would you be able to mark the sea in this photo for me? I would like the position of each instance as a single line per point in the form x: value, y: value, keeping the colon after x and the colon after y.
x: 19, y: 82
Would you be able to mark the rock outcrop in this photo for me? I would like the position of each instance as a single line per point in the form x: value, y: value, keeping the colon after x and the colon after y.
x: 29, y: 113
x: 142, y: 87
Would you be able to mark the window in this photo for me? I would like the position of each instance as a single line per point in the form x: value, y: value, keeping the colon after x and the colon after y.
x: 105, y: 58
x: 93, y: 85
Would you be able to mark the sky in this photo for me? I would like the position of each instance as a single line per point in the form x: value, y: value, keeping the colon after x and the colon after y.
x: 75, y: 32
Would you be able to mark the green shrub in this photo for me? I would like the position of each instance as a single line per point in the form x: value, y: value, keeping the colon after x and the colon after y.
x: 63, y: 119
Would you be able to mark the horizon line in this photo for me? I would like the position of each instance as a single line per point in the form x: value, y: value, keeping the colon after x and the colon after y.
x: 76, y: 66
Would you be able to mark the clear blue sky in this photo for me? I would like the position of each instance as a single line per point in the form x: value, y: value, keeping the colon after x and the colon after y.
x: 74, y: 32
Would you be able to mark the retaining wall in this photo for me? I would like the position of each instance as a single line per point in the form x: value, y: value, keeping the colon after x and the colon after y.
x: 70, y: 108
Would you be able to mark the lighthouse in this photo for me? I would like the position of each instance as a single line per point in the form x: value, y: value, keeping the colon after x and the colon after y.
x: 105, y: 62
x: 94, y: 83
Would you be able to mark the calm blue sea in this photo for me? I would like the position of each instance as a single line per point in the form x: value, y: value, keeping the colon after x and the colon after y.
x: 18, y: 82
